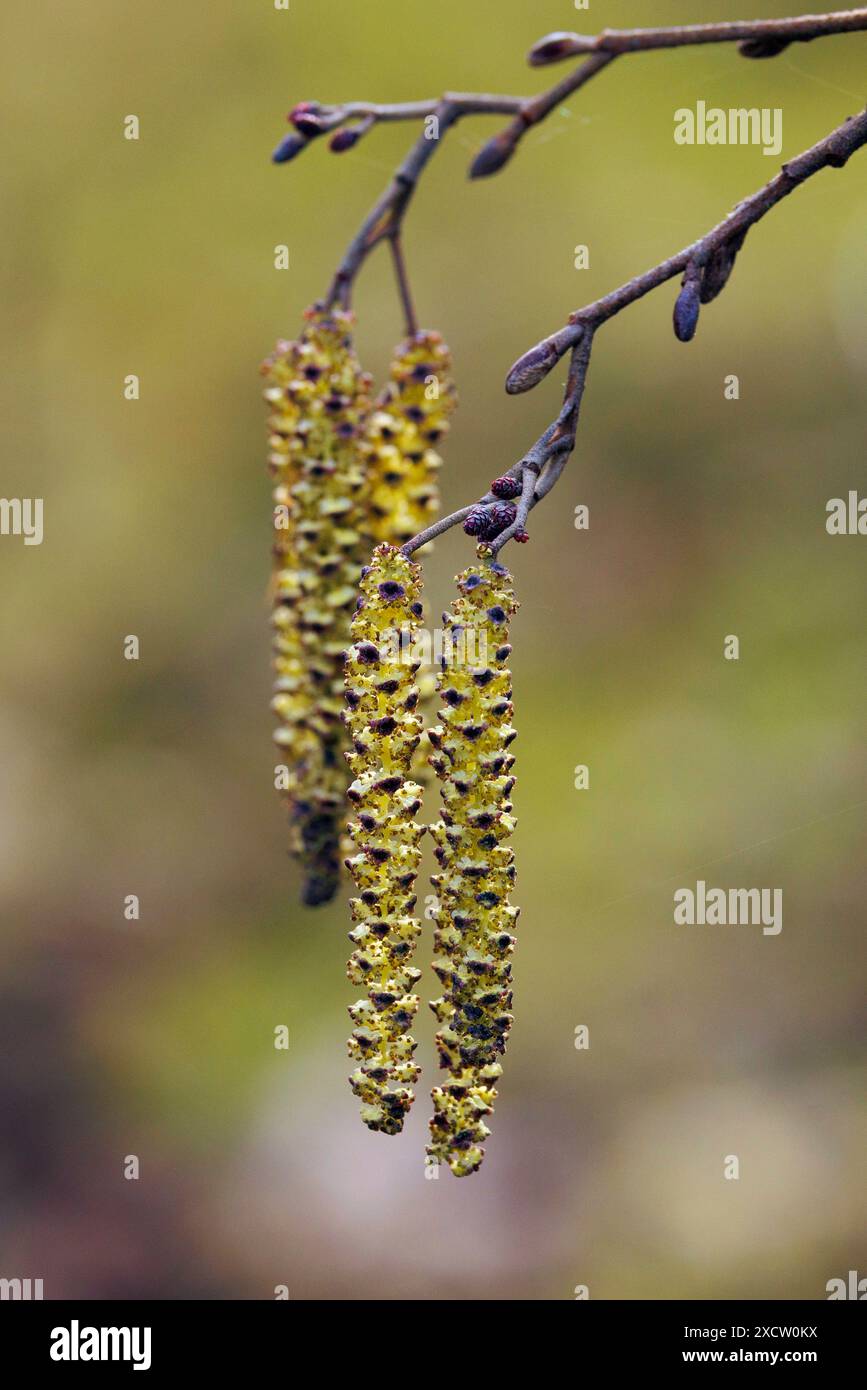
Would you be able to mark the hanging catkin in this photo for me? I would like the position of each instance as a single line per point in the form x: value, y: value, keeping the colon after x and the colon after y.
x: 409, y: 418
x: 381, y: 701
x: 318, y: 400
x: 473, y: 942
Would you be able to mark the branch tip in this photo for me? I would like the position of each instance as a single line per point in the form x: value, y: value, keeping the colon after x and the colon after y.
x: 553, y: 48
x: 290, y: 146
x: 494, y: 155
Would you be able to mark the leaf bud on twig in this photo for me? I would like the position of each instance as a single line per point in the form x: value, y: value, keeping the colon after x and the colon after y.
x: 560, y: 44
x: 687, y: 305
x: 535, y: 365
x: 345, y: 138
x: 289, y: 146
x: 492, y: 156
x: 762, y: 47
x: 306, y: 119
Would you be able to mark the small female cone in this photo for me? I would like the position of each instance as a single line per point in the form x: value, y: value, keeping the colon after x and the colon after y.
x: 381, y: 701
x: 475, y: 921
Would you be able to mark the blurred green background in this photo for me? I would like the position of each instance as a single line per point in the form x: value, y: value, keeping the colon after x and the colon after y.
x: 154, y: 777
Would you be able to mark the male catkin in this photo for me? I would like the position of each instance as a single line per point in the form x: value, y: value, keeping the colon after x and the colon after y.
x: 318, y: 399
x: 381, y: 703
x: 410, y: 416
x: 475, y: 921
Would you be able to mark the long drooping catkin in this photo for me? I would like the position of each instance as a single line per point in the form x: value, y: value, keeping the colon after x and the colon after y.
x: 410, y: 416
x: 402, y: 465
x: 318, y: 400
x: 475, y: 921
x: 381, y: 700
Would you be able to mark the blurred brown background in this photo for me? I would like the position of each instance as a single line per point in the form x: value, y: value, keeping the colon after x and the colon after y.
x: 154, y: 777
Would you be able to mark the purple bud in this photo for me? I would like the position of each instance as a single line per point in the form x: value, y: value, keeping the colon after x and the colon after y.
x: 506, y: 488
x: 558, y: 45
x: 686, y: 310
x: 344, y: 139
x: 718, y: 268
x: 762, y: 47
x: 492, y: 156
x: 289, y: 146
x: 306, y: 119
x: 532, y: 368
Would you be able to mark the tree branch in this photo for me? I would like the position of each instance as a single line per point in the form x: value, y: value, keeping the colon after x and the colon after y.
x: 712, y: 255
x: 706, y: 265
x: 758, y: 38
x: 403, y: 287
x: 350, y: 121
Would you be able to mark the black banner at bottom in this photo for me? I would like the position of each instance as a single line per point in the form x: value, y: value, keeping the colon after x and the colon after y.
x: 81, y: 1339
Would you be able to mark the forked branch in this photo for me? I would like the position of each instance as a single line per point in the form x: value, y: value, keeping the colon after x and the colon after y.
x: 349, y: 122
x: 705, y: 264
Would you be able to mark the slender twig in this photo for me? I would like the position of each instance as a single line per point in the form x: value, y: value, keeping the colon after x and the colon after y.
x: 831, y: 152
x: 706, y: 265
x: 403, y: 287
x: 543, y: 462
x: 760, y: 38
x: 499, y: 150
x: 439, y: 528
x: 551, y: 451
x: 350, y: 121
x: 386, y: 217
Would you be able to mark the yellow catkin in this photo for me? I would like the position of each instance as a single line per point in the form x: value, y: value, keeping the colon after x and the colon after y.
x: 474, y: 919
x: 402, y: 464
x: 318, y: 400
x: 409, y: 418
x: 384, y: 726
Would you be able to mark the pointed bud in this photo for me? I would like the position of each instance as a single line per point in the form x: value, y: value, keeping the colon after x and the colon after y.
x: 289, y: 146
x: 762, y: 47
x: 492, y: 156
x: 532, y: 368
x: 306, y: 119
x: 554, y: 47
x: 344, y: 139
x: 535, y: 365
x: 716, y: 272
x: 686, y: 310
